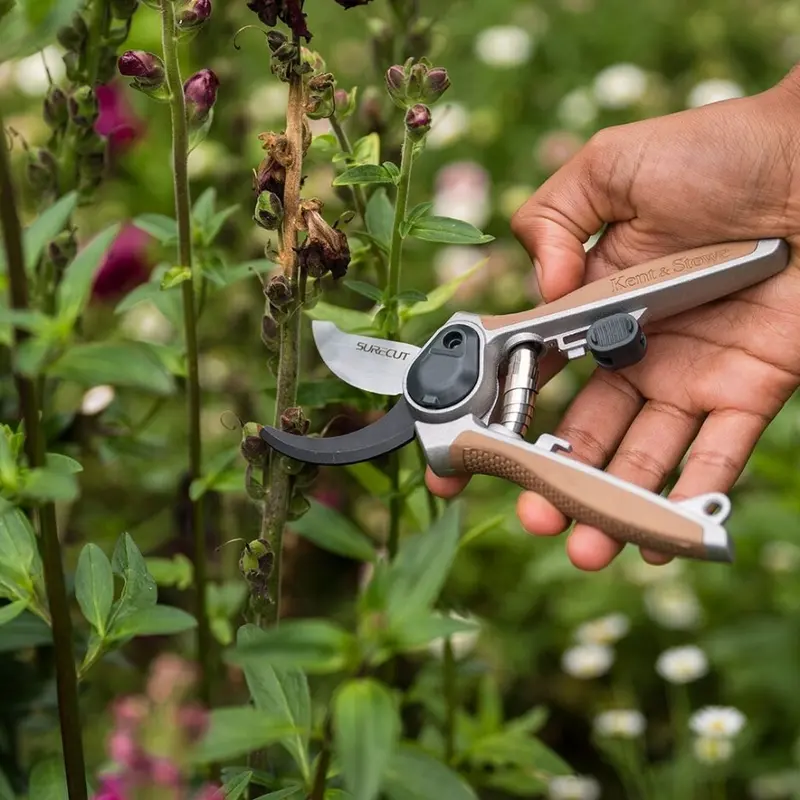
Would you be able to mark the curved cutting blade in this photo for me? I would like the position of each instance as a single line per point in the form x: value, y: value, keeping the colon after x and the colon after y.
x: 390, y: 432
x: 374, y: 365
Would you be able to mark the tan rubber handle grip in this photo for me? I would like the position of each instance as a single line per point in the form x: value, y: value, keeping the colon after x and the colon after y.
x: 618, y: 284
x: 623, y: 511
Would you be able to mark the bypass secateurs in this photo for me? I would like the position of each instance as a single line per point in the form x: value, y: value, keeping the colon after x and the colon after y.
x: 468, y: 394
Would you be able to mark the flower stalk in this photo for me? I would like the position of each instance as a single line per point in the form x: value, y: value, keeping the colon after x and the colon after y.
x: 279, y: 481
x: 180, y: 156
x: 49, y: 544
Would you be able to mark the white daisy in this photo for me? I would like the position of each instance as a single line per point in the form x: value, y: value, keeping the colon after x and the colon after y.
x: 449, y: 122
x: 712, y: 751
x: 587, y: 660
x: 573, y: 787
x: 713, y: 91
x: 673, y: 605
x: 779, y: 556
x: 97, y: 399
x: 504, y: 46
x: 577, y: 108
x: 620, y: 86
x: 717, y: 722
x: 620, y: 723
x: 605, y: 630
x: 682, y: 664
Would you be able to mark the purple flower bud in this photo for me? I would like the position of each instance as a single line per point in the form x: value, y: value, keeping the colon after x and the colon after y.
x: 436, y: 84
x: 418, y: 121
x: 396, y: 84
x: 122, y: 749
x: 111, y: 788
x: 147, y: 69
x: 200, y: 94
x: 193, y: 14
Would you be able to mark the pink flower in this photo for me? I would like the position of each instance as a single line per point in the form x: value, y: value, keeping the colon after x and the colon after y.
x: 116, y: 119
x: 209, y: 792
x: 194, y: 720
x: 111, y: 788
x: 122, y: 749
x: 129, y: 712
x: 170, y: 677
x: 126, y: 265
x: 165, y: 772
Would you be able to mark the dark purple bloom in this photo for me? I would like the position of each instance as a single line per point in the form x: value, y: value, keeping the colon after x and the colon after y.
x: 200, y: 93
x: 193, y: 14
x: 126, y: 265
x: 146, y: 68
x: 418, y: 117
x: 289, y: 12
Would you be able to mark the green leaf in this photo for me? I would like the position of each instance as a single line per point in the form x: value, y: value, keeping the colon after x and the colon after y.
x: 57, y: 462
x: 441, y: 294
x: 510, y: 749
x: 155, y: 621
x: 530, y: 722
x: 23, y: 632
x: 234, y: 732
x: 380, y: 216
x: 282, y: 695
x: 76, y: 285
x: 284, y: 794
x: 414, y: 632
x: 175, y: 276
x: 48, y: 780
x: 447, y: 231
x: 365, y: 289
x: 247, y: 269
x: 377, y: 483
x: 346, y: 319
x: 164, y: 229
x: 133, y: 365
x: 482, y: 527
x: 366, y: 727
x: 316, y: 646
x: 29, y: 26
x: 45, y: 228
x: 420, y: 569
x: 213, y: 471
x: 414, y: 775
x: 47, y: 485
x: 6, y: 792
x: 410, y: 297
x: 219, y: 219
x: 94, y: 586
x: 19, y: 555
x: 10, y: 612
x: 203, y: 208
x: 177, y: 571
x: 332, y: 531
x: 367, y: 150
x: 139, y: 591
x: 364, y: 175
x: 234, y: 789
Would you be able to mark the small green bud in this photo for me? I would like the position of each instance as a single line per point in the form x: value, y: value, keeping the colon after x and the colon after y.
x: 62, y: 249
x: 72, y: 66
x: 42, y: 170
x: 298, y: 507
x: 55, y: 109
x: 345, y: 103
x: 72, y: 37
x: 124, y: 9
x: 83, y: 109
x: 269, y: 211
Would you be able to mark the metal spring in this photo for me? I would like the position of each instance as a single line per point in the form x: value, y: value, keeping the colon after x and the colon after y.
x: 519, y: 392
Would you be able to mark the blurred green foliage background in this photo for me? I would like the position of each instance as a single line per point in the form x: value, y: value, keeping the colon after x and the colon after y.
x: 531, y: 81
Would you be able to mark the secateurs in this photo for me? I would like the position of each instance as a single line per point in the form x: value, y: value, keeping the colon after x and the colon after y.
x: 469, y: 393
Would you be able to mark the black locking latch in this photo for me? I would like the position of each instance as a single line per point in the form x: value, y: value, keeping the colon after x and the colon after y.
x: 616, y: 342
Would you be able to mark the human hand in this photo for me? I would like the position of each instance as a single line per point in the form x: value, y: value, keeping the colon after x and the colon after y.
x: 714, y: 377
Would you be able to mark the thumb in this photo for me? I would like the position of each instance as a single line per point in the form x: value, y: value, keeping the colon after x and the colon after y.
x: 569, y: 208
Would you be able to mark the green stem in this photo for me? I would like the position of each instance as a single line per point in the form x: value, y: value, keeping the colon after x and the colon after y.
x: 451, y: 700
x: 180, y: 157
x: 58, y: 600
x: 98, y: 25
x: 323, y: 762
x: 392, y: 323
x: 279, y: 494
x: 396, y: 252
x: 680, y: 711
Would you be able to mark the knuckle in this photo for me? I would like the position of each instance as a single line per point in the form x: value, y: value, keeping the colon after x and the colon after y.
x: 715, y: 460
x: 642, y: 461
x: 586, y: 446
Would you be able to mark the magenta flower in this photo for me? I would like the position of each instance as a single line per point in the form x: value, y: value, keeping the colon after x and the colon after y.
x: 111, y: 788
x: 116, y: 120
x: 125, y: 266
x: 146, y: 68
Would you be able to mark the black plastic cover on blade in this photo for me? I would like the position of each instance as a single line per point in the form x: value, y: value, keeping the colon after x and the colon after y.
x: 390, y: 432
